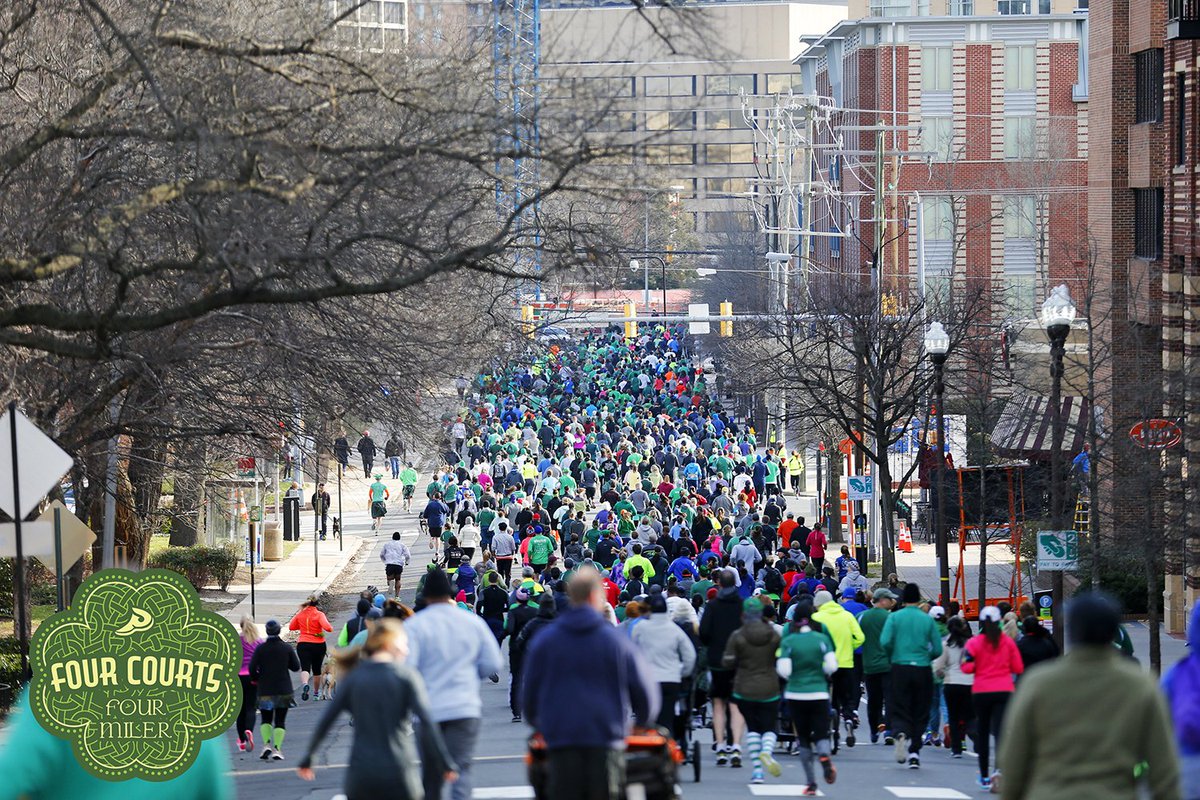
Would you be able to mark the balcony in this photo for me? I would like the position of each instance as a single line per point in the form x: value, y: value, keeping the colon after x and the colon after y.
x: 1183, y: 19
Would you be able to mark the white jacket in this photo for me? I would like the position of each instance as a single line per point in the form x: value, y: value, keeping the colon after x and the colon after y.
x: 948, y: 666
x: 665, y: 647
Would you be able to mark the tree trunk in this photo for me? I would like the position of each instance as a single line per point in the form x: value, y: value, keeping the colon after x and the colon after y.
x: 887, y: 533
x: 146, y: 469
x: 833, y: 487
x: 187, y: 509
x: 983, y: 538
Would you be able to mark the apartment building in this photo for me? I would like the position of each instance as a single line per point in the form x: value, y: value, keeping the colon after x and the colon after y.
x: 984, y: 111
x: 676, y: 78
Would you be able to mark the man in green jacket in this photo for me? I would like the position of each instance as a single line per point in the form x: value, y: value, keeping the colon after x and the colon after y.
x: 1088, y: 724
x: 910, y: 638
x: 877, y: 667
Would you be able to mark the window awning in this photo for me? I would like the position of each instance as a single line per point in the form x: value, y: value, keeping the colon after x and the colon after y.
x: 1025, y: 427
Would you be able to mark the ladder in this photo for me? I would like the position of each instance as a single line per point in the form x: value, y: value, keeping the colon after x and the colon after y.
x: 1083, y: 515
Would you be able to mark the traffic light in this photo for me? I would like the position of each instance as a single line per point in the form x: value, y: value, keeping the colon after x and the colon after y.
x: 631, y: 331
x: 527, y: 321
x: 889, y: 305
x: 725, y: 327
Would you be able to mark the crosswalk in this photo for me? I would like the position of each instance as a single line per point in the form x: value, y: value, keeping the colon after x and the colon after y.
x: 756, y: 790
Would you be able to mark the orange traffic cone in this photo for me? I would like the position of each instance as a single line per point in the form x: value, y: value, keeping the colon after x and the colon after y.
x: 904, y: 543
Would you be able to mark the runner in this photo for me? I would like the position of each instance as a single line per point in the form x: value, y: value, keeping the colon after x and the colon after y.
x: 807, y: 658
x: 435, y: 514
x: 408, y: 480
x: 245, y: 721
x: 269, y: 669
x: 843, y: 629
x: 911, y: 641
x: 751, y: 653
x: 377, y: 497
x: 312, y: 624
x: 993, y: 659
x: 395, y: 556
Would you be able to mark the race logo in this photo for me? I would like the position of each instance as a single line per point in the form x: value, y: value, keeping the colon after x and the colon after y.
x: 136, y: 674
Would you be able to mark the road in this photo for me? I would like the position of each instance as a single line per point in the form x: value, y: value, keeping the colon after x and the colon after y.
x: 863, y: 772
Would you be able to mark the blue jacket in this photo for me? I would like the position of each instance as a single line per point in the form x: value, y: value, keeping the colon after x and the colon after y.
x: 584, y: 661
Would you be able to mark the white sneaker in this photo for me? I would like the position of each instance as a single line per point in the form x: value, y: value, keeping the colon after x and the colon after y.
x: 901, y: 748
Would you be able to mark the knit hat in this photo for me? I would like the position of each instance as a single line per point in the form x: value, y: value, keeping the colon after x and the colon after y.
x: 379, y: 600
x: 850, y: 592
x: 821, y: 598
x: 658, y: 603
x: 437, y: 586
x: 272, y: 627
x: 883, y: 594
x: 912, y: 593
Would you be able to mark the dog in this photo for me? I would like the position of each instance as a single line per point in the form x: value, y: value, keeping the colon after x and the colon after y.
x: 329, y: 678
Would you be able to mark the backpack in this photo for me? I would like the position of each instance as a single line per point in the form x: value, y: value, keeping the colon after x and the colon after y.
x: 773, y: 581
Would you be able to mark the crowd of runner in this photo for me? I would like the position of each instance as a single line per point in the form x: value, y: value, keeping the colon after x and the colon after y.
x: 599, y: 500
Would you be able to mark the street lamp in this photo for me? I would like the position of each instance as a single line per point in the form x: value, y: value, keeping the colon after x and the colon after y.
x: 650, y: 195
x: 635, y: 265
x: 937, y: 346
x: 1058, y: 312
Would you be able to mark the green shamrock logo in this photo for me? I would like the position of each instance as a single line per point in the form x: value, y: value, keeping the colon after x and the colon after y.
x: 136, y: 674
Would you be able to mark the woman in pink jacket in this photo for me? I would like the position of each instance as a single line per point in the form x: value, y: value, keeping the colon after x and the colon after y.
x: 993, y: 659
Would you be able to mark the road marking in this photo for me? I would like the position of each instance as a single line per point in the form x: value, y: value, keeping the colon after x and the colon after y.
x: 779, y: 790
x: 503, y: 793
x: 927, y: 793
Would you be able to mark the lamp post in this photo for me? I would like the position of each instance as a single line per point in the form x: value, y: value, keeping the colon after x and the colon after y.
x: 937, y: 346
x: 650, y: 195
x: 635, y: 265
x: 1058, y: 312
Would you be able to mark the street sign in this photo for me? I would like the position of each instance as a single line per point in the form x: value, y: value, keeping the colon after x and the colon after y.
x: 1044, y: 600
x: 37, y: 539
x: 902, y: 507
x: 1156, y: 434
x: 246, y: 467
x: 860, y: 487
x: 42, y: 464
x: 698, y: 310
x: 256, y: 513
x: 1057, y: 551
x: 846, y: 446
x: 77, y: 538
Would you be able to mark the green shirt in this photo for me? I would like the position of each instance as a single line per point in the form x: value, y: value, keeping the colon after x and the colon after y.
x: 377, y: 491
x: 772, y: 472
x: 875, y: 658
x: 408, y: 477
x: 807, y: 652
x: 591, y: 538
x: 540, y: 547
x: 701, y: 588
x: 910, y: 637
x: 486, y: 517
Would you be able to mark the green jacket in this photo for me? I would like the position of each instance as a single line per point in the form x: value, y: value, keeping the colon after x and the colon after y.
x: 875, y: 658
x: 843, y: 629
x: 910, y: 638
x: 807, y: 652
x: 37, y: 764
x: 1078, y: 726
x: 540, y: 548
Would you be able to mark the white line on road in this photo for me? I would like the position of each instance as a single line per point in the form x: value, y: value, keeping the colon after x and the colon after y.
x: 779, y: 790
x: 503, y: 793
x: 926, y: 793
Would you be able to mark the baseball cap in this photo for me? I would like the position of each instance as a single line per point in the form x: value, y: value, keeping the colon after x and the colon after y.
x: 937, y: 612
x: 883, y: 594
x: 752, y: 606
x: 988, y: 614
x: 849, y: 591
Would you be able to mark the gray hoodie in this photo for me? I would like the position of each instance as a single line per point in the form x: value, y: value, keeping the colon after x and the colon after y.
x: 666, y: 648
x: 745, y: 551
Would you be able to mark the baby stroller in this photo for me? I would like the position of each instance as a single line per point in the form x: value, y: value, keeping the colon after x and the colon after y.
x: 652, y: 761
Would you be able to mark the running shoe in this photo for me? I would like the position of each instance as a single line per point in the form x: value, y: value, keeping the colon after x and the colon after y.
x: 266, y: 753
x: 995, y: 783
x: 304, y: 692
x: 722, y: 757
x: 956, y: 755
x: 241, y: 746
x: 770, y: 764
x: 735, y: 758
x: 984, y: 783
x: 277, y: 756
x: 901, y: 748
x: 828, y: 768
x: 516, y: 718
x: 249, y: 741
x: 914, y: 761
x: 757, y: 777
x: 850, y: 740
x: 809, y: 791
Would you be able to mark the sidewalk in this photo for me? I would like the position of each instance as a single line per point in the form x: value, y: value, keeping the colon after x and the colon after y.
x: 278, y: 595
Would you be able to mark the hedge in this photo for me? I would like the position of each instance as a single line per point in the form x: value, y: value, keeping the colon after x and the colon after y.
x: 201, y: 565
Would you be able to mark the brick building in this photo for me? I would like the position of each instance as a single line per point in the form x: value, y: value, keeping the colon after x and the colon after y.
x: 986, y: 121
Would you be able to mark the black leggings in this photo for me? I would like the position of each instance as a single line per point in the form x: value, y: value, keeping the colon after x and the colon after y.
x: 245, y: 719
x: 989, y: 715
x: 276, y: 717
x: 810, y: 720
x: 958, y: 709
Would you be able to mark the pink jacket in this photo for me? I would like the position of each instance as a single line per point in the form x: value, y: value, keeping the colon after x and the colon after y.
x: 993, y: 666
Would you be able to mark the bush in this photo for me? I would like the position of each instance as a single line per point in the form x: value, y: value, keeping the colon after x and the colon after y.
x: 200, y: 565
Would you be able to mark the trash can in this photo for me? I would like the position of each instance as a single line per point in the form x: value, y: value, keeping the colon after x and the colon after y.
x: 291, y: 519
x: 272, y: 541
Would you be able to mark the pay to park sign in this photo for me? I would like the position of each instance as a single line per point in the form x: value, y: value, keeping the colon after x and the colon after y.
x: 1057, y: 550
x: 135, y: 675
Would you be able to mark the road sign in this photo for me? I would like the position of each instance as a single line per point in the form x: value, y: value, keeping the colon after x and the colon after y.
x: 77, y: 538
x: 846, y: 446
x: 42, y: 464
x: 860, y: 487
x: 1156, y: 434
x: 1057, y: 550
x: 246, y: 467
x: 256, y: 513
x: 698, y: 310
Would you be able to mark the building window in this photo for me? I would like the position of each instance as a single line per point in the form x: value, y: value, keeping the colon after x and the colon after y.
x: 1181, y: 118
x: 962, y: 8
x: 729, y: 153
x: 670, y: 154
x: 890, y: 8
x: 671, y: 86
x: 1020, y: 217
x: 1148, y: 86
x: 937, y: 219
x: 1013, y: 8
x: 1019, y: 67
x: 1147, y: 223
x: 393, y: 13
x: 728, y: 84
x: 736, y: 186
x: 725, y: 120
x: 616, y: 121
x: 1020, y: 138
x: 937, y: 69
x: 937, y: 137
x: 783, y: 82
x: 671, y: 121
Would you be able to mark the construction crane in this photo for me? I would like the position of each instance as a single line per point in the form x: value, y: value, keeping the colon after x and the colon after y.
x: 516, y: 57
